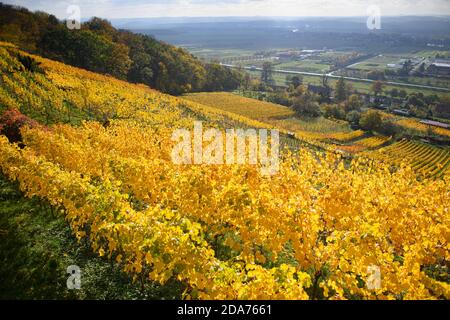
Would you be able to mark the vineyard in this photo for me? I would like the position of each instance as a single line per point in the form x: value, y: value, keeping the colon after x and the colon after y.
x: 334, y: 136
x: 314, y: 125
x: 423, y: 128
x: 317, y: 132
x: 364, y: 144
x: 251, y: 108
x: 426, y: 160
x: 102, y: 157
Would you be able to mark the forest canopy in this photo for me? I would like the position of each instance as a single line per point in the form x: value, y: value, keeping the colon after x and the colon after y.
x: 98, y: 46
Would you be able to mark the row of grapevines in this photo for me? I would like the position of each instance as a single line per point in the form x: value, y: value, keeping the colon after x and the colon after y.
x: 416, y: 125
x: 321, y: 216
x: 158, y: 243
x: 426, y: 160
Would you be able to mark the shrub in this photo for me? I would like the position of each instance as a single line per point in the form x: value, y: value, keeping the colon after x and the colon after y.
x: 371, y: 120
x: 353, y: 117
x: 389, y: 128
x: 306, y: 108
x: 10, y: 123
x: 333, y: 111
x: 30, y: 64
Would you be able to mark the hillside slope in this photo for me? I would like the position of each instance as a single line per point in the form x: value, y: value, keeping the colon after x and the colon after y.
x: 99, y: 47
x: 314, y: 230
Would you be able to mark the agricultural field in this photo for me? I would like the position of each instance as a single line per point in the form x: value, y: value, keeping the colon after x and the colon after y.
x: 318, y: 125
x: 361, y: 87
x: 431, y: 54
x: 363, y: 144
x: 379, y: 62
x: 300, y: 65
x: 327, y: 134
x: 318, y: 131
x: 426, y: 160
x: 306, y: 65
x: 100, y: 157
x: 315, y: 131
x: 426, y: 81
x: 415, y: 124
x: 317, y: 62
x: 321, y: 64
x: 251, y: 108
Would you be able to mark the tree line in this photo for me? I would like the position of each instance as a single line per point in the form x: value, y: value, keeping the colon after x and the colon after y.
x: 98, y: 46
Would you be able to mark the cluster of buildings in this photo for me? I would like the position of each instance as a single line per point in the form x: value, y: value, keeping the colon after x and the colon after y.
x: 439, y: 67
x: 436, y: 67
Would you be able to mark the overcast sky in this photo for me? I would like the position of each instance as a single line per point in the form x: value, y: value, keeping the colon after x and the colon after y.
x: 216, y: 8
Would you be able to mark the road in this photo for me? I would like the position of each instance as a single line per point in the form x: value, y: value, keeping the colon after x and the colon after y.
x: 331, y: 75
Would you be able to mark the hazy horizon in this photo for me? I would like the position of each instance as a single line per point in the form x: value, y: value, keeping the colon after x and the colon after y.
x: 157, y: 9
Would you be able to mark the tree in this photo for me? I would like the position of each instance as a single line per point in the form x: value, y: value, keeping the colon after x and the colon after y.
x: 325, y: 81
x: 376, y: 75
x: 141, y: 70
x: 442, y: 108
x: 377, y: 87
x: 11, y: 121
x: 119, y: 61
x: 389, y: 128
x: 354, y: 103
x: 407, y: 67
x: 353, y: 117
x: 296, y: 81
x: 332, y: 111
x: 219, y: 78
x: 280, y: 97
x: 246, y: 81
x: 267, y: 73
x: 371, y: 120
x: 304, y: 102
x: 402, y: 93
x: 419, y: 111
x: 30, y: 64
x: 394, y: 93
x: 101, y: 27
x: 416, y: 100
x: 325, y: 92
x: 340, y: 90
x: 306, y: 107
x: 101, y: 48
x: 88, y: 50
x: 422, y: 68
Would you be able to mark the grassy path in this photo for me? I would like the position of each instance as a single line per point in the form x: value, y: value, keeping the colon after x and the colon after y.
x: 36, y: 247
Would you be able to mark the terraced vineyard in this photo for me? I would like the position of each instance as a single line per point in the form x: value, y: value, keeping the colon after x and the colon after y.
x: 315, y: 131
x: 427, y: 160
x: 252, y: 108
x: 364, y: 144
x: 345, y: 136
x: 374, y: 142
x: 423, y: 128
x: 319, y: 125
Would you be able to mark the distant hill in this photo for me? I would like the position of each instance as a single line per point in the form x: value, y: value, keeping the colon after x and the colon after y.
x: 261, y: 33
